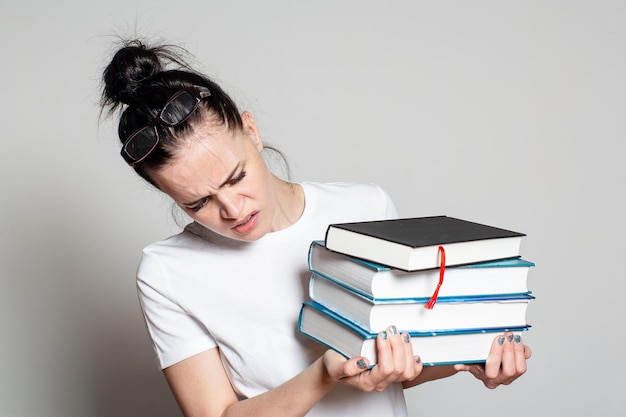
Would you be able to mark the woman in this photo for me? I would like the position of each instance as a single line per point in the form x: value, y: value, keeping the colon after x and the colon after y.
x: 221, y: 298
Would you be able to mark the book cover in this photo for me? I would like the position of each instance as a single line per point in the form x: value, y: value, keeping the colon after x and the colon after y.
x: 410, y: 314
x: 435, y: 348
x: 414, y: 243
x: 380, y: 282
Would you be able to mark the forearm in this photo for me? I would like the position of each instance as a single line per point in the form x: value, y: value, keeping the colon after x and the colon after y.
x: 431, y: 373
x: 293, y: 398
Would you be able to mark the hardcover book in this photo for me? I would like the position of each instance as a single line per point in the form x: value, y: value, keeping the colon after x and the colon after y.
x: 451, y: 313
x: 379, y: 282
x: 435, y: 348
x: 414, y: 243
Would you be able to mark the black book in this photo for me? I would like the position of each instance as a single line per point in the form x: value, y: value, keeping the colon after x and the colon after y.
x: 418, y: 243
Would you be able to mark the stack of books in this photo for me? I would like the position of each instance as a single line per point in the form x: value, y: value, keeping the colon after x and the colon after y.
x: 452, y: 284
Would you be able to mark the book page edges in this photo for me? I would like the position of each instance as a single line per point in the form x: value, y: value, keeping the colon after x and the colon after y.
x: 412, y: 259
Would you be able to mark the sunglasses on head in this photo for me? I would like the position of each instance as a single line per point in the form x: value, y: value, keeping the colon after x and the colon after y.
x: 176, y: 110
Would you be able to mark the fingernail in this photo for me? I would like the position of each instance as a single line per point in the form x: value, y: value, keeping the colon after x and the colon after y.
x: 517, y: 338
x: 406, y: 337
x: 510, y: 338
x: 501, y: 340
x: 361, y: 364
x: 383, y: 334
x: 418, y: 360
x: 393, y: 330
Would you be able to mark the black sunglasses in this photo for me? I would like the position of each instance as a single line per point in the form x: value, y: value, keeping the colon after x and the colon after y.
x: 175, y: 111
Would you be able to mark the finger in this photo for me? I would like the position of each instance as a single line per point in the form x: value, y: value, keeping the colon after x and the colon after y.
x: 418, y: 367
x: 405, y: 364
x: 375, y: 379
x: 413, y: 363
x: 478, y: 370
x: 508, y: 365
x: 355, y: 366
x: 494, y: 359
x: 520, y: 355
x: 460, y: 367
x: 463, y: 367
x: 389, y: 345
x: 384, y: 353
x: 339, y: 367
x: 528, y: 352
x: 401, y: 350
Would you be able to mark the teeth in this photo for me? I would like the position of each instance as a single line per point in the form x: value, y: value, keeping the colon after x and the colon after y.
x: 245, y: 221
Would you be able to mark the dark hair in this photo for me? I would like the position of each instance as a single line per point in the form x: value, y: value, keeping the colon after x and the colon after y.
x: 140, y: 78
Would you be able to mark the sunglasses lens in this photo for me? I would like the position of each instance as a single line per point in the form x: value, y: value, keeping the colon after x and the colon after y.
x: 141, y: 143
x: 179, y: 108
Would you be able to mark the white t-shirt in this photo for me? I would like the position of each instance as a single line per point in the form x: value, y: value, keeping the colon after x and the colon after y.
x: 199, y: 290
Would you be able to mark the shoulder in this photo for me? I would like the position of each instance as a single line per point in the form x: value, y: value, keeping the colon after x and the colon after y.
x: 170, y: 254
x: 185, y: 241
x: 354, y: 201
x: 345, y: 190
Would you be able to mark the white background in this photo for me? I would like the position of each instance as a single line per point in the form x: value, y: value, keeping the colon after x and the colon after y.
x: 509, y: 113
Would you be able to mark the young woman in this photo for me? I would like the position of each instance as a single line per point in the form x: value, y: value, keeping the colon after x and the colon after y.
x: 221, y: 299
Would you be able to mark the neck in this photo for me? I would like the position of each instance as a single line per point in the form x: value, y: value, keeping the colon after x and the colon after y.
x: 290, y: 203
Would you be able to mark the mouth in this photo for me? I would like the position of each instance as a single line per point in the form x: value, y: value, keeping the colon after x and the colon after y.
x: 246, y: 225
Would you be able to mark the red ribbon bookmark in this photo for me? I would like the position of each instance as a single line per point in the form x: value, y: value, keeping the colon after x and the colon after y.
x: 431, y: 303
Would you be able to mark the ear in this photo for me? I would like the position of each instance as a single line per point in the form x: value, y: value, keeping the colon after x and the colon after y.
x: 250, y: 130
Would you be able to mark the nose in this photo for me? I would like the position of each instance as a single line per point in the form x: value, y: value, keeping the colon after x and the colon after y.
x: 230, y: 204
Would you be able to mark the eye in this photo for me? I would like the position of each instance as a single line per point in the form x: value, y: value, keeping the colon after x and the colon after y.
x: 238, y: 178
x: 199, y: 206
x: 205, y: 200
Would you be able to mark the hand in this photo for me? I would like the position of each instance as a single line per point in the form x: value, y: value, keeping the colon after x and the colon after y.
x: 396, y: 363
x: 506, y: 362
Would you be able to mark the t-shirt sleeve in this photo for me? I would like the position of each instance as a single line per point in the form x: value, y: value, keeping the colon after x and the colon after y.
x: 175, y: 334
x: 389, y: 206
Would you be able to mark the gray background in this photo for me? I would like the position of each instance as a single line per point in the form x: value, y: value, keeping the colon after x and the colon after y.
x: 504, y: 112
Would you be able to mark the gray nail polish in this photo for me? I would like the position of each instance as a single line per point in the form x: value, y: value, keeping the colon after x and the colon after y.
x: 501, y: 340
x: 393, y: 330
x: 361, y: 364
x: 406, y: 337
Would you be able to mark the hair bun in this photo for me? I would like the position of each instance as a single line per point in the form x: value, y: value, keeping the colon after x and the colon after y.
x: 132, y: 65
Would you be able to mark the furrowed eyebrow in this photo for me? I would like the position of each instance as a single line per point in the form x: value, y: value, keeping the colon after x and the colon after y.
x: 230, y: 176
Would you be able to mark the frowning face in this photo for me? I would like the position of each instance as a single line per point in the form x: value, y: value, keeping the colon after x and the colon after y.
x: 220, y: 180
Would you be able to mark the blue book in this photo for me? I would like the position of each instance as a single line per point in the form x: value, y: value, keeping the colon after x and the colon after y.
x: 435, y: 348
x: 452, y: 312
x: 380, y: 282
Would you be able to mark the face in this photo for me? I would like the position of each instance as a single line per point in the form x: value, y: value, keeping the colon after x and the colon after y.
x: 220, y: 180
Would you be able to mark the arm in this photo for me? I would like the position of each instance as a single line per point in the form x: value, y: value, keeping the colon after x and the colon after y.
x: 201, y: 386
x: 505, y: 363
x: 431, y: 373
